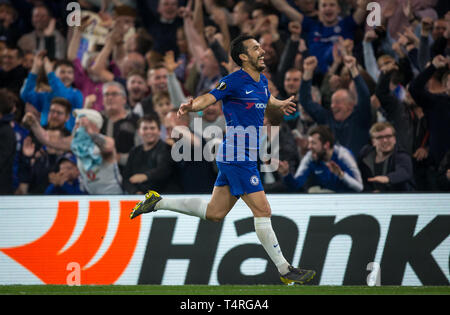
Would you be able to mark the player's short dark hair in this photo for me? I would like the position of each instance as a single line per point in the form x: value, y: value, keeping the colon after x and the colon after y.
x: 150, y: 117
x: 238, y: 47
x: 324, y: 132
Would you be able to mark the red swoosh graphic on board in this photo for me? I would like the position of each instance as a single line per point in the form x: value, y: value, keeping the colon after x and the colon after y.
x: 43, y: 257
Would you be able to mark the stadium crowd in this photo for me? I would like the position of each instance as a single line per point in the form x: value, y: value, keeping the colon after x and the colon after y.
x: 88, y: 104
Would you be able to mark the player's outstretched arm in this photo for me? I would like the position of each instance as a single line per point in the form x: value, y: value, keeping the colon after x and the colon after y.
x: 287, y: 105
x: 197, y: 104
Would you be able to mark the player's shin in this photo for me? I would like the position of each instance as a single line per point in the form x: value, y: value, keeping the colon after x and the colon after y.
x: 190, y: 206
x: 268, y: 239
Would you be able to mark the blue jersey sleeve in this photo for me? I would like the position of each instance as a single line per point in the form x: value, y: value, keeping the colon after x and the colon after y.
x: 223, y: 89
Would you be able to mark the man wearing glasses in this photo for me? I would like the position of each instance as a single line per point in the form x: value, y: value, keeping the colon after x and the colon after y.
x: 119, y: 122
x: 384, y: 166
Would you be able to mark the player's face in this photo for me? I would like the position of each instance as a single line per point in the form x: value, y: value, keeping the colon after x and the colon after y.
x: 255, y: 55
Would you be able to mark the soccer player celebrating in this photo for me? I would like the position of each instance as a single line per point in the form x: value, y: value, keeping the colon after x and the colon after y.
x: 245, y: 95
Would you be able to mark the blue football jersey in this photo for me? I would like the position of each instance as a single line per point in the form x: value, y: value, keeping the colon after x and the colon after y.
x: 244, y: 102
x: 320, y: 39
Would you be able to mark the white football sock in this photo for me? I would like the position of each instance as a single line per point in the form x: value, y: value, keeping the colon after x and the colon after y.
x: 190, y: 206
x: 268, y: 239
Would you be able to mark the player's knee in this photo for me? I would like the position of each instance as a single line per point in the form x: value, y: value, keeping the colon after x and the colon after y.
x: 263, y: 211
x: 214, y: 217
x: 214, y: 214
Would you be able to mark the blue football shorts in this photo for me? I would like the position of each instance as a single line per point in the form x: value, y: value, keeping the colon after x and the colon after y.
x: 242, y: 178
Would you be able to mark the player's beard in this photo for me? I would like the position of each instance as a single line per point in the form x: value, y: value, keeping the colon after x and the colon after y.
x: 255, y: 64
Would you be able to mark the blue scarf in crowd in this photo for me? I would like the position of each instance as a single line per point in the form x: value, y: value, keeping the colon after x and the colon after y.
x: 83, y: 147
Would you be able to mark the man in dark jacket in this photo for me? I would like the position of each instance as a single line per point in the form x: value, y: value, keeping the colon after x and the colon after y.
x: 384, y: 166
x: 12, y: 74
x: 348, y: 119
x: 411, y: 125
x: 160, y: 18
x: 435, y: 106
x: 7, y: 144
x: 149, y: 165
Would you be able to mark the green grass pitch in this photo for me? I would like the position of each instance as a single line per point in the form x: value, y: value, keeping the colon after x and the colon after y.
x: 220, y: 290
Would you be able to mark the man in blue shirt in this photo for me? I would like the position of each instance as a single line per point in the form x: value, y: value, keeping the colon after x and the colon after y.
x: 349, y: 116
x: 322, y: 34
x: 244, y: 96
x: 60, y: 78
x: 65, y: 180
x: 331, y: 167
